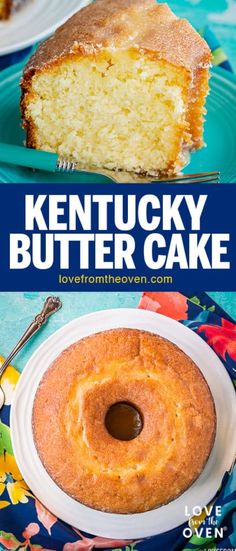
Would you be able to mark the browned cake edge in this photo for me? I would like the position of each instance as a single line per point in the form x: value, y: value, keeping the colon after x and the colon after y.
x: 6, y: 11
x: 142, y: 24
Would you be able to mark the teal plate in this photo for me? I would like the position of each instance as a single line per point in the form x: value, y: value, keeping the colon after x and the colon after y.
x: 220, y: 132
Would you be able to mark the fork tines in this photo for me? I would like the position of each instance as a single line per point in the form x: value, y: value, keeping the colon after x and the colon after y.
x: 201, y: 178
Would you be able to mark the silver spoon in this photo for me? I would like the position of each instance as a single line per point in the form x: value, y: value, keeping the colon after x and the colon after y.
x: 51, y: 305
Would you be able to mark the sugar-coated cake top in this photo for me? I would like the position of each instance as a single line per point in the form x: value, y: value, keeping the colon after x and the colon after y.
x: 121, y: 24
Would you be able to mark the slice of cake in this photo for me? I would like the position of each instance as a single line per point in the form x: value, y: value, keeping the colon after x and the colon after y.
x: 122, y: 86
x: 8, y: 7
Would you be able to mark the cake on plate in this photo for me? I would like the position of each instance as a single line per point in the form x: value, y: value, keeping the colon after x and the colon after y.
x: 121, y: 86
x: 123, y: 421
x: 8, y: 7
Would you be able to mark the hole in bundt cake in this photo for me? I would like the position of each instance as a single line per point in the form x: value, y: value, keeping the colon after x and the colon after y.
x: 124, y: 421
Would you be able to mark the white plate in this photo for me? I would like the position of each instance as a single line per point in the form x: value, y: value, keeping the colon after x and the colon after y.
x: 36, y: 20
x: 115, y: 525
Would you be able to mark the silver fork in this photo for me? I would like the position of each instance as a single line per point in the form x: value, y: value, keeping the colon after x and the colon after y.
x: 51, y: 162
x: 201, y: 178
x: 69, y: 167
x: 51, y: 305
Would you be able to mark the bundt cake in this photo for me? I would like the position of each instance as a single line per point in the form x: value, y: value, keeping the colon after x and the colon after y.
x: 123, y: 421
x: 121, y: 86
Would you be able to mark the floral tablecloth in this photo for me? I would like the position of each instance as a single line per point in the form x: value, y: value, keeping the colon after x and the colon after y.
x: 24, y: 521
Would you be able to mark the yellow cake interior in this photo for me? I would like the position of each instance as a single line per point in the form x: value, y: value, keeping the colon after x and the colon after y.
x: 120, y: 110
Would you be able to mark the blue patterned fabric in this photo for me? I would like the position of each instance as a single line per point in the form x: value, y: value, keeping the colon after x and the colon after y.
x: 219, y: 57
x: 26, y: 524
x: 16, y: 57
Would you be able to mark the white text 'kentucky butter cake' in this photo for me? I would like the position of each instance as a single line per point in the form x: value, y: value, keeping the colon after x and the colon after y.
x: 122, y: 86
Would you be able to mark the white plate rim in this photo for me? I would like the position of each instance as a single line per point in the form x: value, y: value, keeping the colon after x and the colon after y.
x: 35, y: 37
x: 106, y: 524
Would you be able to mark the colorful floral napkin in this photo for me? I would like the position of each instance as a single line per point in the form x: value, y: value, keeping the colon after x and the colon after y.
x: 25, y: 524
x: 219, y: 57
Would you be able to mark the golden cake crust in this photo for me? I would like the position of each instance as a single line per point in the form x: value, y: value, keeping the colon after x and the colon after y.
x: 69, y: 421
x: 9, y: 7
x: 140, y: 24
x: 143, y: 28
x: 6, y: 10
